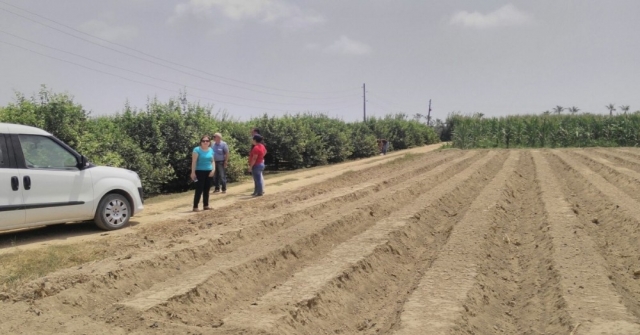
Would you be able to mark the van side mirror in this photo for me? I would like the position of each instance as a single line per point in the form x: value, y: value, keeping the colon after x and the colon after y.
x: 82, y: 164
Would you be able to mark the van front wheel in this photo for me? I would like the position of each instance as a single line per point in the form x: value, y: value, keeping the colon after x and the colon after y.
x: 113, y: 212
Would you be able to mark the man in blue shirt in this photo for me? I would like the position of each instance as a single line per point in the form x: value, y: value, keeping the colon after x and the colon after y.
x: 221, y: 157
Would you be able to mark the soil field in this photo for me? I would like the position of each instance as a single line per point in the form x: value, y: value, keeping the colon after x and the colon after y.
x: 436, y: 242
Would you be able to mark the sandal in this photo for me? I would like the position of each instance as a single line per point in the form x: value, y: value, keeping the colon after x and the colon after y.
x: 196, y: 210
x: 207, y: 208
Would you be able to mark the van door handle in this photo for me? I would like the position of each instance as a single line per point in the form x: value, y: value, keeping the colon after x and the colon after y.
x: 15, y: 183
x: 27, y: 182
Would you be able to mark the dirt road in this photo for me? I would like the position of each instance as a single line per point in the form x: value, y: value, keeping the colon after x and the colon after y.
x: 444, y: 242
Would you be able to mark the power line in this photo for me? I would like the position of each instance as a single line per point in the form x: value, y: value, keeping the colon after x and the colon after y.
x: 164, y: 60
x: 160, y: 79
x: 143, y: 83
x: 156, y: 63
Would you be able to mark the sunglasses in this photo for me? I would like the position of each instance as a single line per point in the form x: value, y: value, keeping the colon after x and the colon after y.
x: 204, y: 141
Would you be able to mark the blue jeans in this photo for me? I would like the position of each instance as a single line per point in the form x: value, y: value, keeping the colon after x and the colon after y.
x: 258, y: 180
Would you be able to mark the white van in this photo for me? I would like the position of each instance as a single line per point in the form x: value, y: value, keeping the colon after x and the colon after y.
x: 43, y: 181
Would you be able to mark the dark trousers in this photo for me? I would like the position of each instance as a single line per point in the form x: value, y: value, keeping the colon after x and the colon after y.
x: 220, y: 177
x: 203, y: 185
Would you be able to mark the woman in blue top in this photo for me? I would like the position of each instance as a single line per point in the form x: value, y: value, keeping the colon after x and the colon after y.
x: 202, y: 172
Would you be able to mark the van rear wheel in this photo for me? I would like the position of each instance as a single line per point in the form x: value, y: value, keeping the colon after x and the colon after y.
x: 114, y: 212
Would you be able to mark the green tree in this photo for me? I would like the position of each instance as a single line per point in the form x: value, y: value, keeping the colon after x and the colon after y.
x: 558, y: 110
x: 55, y: 113
x: 611, y: 108
x: 625, y: 109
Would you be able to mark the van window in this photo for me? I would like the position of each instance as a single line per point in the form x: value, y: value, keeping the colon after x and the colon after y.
x: 41, y: 152
x: 4, y: 159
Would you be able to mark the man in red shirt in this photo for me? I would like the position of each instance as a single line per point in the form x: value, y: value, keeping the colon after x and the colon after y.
x: 256, y: 164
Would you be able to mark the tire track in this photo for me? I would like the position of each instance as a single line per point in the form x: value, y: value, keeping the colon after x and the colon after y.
x: 284, y: 250
x: 318, y: 294
x: 515, y: 293
x: 583, y: 270
x: 438, y: 300
x: 613, y: 221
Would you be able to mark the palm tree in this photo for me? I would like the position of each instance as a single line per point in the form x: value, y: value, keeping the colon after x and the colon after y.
x: 573, y: 110
x: 546, y: 113
x: 558, y: 109
x: 611, y: 108
x: 625, y: 109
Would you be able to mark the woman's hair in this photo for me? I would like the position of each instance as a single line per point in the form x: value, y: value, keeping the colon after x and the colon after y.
x: 205, y: 136
x: 257, y: 138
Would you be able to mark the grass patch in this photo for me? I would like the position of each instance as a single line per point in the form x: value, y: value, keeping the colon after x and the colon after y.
x: 446, y: 146
x: 23, y: 266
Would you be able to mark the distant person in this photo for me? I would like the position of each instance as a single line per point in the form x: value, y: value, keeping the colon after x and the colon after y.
x: 385, y: 146
x: 221, y: 158
x: 256, y: 131
x: 202, y: 171
x: 380, y: 146
x: 256, y: 165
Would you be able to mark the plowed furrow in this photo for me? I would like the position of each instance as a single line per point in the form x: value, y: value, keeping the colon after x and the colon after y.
x: 331, y: 189
x: 625, y: 179
x: 256, y: 266
x: 367, y: 274
x: 611, y: 218
x: 438, y: 299
x: 583, y: 271
x: 336, y: 274
x: 631, y: 152
x: 195, y: 249
x: 619, y: 158
x: 514, y: 292
x: 241, y: 231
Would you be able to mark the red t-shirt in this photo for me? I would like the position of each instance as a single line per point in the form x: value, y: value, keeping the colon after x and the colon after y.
x: 259, y: 150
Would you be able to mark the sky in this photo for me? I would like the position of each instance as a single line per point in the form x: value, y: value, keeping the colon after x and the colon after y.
x: 252, y: 57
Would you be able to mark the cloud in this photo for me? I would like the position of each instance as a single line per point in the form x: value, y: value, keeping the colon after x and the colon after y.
x: 266, y: 11
x: 507, y: 15
x: 347, y: 46
x: 110, y: 32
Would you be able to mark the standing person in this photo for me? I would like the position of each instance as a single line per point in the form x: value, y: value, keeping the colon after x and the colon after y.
x: 256, y: 165
x: 221, y: 157
x: 256, y: 131
x: 380, y: 146
x: 202, y: 171
x: 385, y: 146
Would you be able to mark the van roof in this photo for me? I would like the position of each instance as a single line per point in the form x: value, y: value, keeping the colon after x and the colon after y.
x: 11, y: 128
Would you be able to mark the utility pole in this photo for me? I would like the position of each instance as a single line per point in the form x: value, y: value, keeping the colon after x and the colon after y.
x: 429, y: 114
x: 364, y: 103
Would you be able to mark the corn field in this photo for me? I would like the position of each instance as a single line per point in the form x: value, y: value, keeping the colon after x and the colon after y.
x: 537, y: 131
